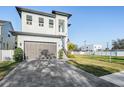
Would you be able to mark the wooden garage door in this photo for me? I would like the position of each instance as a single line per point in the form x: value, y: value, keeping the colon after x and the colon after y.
x: 33, y: 49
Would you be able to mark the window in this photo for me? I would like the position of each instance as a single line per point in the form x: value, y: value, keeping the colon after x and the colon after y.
x: 3, y: 45
x: 51, y: 23
x: 61, y: 25
x: 41, y: 22
x: 29, y: 19
x: 8, y: 35
x: 20, y: 44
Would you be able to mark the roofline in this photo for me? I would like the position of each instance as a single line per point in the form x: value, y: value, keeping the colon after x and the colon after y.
x: 62, y: 13
x: 20, y: 9
x: 15, y: 33
x: 4, y: 21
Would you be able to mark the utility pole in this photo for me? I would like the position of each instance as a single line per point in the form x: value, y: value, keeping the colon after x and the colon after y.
x: 110, y: 55
x: 107, y: 44
x: 84, y: 44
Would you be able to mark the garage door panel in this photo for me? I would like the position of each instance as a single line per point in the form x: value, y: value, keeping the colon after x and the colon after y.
x: 33, y: 49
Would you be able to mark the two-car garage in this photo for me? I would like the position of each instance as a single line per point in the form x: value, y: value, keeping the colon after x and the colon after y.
x: 33, y: 49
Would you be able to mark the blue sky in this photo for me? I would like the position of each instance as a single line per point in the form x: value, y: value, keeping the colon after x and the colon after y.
x: 96, y: 25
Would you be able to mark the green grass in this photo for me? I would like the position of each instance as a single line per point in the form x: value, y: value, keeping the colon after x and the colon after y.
x: 98, y: 65
x: 6, y: 67
x: 106, y: 58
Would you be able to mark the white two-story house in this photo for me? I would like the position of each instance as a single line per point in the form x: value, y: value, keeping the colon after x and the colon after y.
x: 41, y: 31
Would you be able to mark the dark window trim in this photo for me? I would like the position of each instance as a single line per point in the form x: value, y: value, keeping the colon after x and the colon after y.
x: 28, y: 17
x: 51, y: 23
x: 61, y: 25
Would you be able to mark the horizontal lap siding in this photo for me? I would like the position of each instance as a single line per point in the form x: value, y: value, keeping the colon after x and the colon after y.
x: 0, y: 55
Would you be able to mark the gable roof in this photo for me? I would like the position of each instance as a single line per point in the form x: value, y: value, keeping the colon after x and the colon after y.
x: 4, y: 21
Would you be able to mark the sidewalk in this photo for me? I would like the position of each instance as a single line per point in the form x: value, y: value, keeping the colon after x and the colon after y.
x: 116, y: 78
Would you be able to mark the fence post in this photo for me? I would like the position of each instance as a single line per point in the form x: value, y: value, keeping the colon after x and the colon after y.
x: 110, y: 57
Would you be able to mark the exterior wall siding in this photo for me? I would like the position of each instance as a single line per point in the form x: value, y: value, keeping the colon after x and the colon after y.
x: 35, y: 28
x: 0, y: 29
x: 4, y: 34
x: 0, y: 37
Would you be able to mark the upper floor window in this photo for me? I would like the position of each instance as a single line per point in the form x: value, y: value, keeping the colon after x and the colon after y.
x: 8, y: 35
x: 29, y: 19
x: 41, y: 21
x: 51, y: 23
x: 61, y: 25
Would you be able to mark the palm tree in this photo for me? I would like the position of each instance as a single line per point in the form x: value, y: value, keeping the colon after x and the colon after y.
x: 118, y: 44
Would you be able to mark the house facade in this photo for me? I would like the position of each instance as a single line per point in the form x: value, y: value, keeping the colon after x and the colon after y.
x: 42, y: 31
x: 7, y: 40
x: 92, y: 47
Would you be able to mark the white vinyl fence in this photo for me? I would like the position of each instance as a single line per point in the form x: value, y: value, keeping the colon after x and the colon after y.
x: 6, y: 55
x: 101, y: 53
x: 78, y: 52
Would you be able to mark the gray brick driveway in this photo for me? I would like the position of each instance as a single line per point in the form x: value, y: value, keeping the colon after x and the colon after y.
x: 56, y: 74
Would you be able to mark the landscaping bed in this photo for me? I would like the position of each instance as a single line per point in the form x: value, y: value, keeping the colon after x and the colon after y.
x: 6, y: 67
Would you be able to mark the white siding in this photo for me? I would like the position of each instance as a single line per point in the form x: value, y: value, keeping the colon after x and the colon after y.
x: 0, y: 29
x: 0, y: 36
x: 35, y: 28
x: 0, y: 46
x: 10, y: 40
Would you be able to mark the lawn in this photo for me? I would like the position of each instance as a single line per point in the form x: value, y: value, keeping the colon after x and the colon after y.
x: 98, y: 65
x: 106, y: 58
x: 6, y: 67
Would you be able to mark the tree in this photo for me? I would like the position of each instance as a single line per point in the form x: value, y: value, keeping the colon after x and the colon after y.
x: 72, y: 47
x: 118, y: 44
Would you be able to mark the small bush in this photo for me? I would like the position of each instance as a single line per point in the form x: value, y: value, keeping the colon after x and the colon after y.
x: 69, y: 55
x: 60, y: 53
x: 18, y: 55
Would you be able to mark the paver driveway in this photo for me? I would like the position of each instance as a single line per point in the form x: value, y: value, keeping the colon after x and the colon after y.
x: 56, y: 74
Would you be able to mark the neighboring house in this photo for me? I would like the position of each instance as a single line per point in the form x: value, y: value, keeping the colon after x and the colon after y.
x: 7, y: 41
x: 42, y: 31
x: 92, y: 47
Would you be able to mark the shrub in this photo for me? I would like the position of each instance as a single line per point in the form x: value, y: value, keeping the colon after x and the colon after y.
x: 72, y: 46
x: 60, y: 53
x: 69, y: 55
x: 18, y: 55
